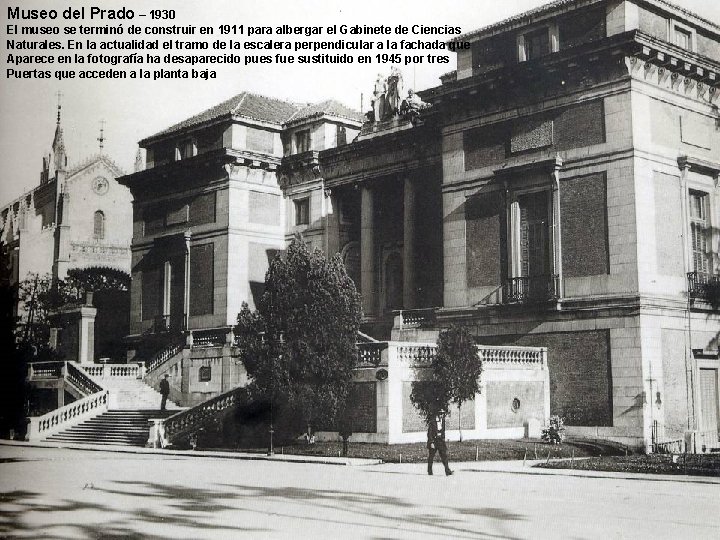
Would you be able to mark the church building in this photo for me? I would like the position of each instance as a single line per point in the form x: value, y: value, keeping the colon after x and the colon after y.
x: 78, y: 216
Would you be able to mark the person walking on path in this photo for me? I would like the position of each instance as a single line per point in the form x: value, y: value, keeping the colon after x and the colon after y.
x: 436, y: 443
x: 164, y: 392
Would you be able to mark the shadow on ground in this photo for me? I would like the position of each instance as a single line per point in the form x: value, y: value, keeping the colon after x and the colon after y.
x: 157, y: 507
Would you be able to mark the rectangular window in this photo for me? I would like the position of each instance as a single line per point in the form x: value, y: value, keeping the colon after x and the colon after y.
x: 302, y: 141
x: 532, y: 265
x: 537, y: 43
x: 185, y: 150
x: 302, y: 211
x: 682, y: 36
x: 341, y: 135
x: 534, y: 234
x: 699, y: 232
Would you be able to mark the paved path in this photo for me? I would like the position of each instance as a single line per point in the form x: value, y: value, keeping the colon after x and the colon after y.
x: 62, y: 493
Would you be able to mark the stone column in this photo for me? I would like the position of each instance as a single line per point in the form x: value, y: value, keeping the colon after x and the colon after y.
x: 186, y: 296
x: 332, y: 225
x: 367, y: 252
x: 556, y: 227
x: 86, y: 334
x: 409, y: 296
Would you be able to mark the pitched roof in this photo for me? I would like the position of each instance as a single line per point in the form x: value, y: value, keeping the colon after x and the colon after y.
x: 329, y: 107
x: 262, y: 109
x: 245, y: 104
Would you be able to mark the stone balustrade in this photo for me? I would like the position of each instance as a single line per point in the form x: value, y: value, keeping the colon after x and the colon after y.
x: 45, y: 370
x: 507, y: 354
x: 41, y: 427
x: 164, y: 432
x: 370, y: 354
x: 121, y: 371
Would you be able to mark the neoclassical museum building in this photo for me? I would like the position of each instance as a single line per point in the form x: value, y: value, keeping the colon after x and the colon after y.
x: 559, y: 189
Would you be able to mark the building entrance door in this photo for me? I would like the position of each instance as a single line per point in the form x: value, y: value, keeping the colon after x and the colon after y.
x: 709, y: 400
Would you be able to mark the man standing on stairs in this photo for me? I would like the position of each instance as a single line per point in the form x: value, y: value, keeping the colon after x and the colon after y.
x: 164, y: 391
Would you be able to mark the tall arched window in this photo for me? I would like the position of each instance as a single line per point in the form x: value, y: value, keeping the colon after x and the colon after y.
x: 99, y: 225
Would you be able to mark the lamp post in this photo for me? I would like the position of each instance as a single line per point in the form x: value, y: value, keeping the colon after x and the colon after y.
x: 280, y: 341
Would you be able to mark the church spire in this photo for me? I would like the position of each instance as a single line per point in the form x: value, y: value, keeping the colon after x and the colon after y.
x: 58, y: 146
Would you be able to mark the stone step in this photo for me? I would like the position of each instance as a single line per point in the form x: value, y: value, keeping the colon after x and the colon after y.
x: 128, y: 427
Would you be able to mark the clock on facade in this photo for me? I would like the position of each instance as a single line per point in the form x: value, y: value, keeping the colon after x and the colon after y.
x: 100, y: 185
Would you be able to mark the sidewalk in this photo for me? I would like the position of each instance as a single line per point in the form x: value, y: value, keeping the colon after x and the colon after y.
x: 467, y: 467
x: 325, y: 460
x: 516, y: 467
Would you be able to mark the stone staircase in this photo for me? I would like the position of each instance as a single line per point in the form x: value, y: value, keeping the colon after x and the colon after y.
x: 131, y: 404
x: 127, y: 394
x: 116, y: 427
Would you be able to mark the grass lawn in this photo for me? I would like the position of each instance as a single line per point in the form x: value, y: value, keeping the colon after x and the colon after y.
x: 483, y: 450
x: 694, y: 464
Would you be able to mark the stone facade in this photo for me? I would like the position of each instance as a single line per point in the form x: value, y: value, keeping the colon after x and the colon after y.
x: 558, y: 190
x: 209, y: 212
x: 575, y: 156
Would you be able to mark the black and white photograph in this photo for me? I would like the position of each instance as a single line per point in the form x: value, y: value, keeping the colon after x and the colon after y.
x: 375, y: 270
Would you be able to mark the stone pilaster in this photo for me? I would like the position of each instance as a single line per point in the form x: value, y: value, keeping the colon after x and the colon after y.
x: 409, y: 293
x: 367, y: 252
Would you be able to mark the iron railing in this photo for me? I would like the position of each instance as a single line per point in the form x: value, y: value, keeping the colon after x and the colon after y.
x: 703, y: 286
x: 165, y: 354
x: 214, y: 337
x: 528, y: 289
x: 412, y: 318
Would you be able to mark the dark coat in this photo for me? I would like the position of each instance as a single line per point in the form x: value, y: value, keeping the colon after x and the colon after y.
x: 436, y: 432
x: 164, y: 387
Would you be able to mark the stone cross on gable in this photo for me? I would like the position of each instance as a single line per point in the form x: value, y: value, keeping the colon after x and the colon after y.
x: 101, y: 138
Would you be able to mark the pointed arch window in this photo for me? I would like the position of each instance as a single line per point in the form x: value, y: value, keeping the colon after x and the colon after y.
x: 99, y: 225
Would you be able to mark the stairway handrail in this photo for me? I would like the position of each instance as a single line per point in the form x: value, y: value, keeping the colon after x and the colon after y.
x: 81, y: 380
x: 165, y: 354
x: 41, y: 427
x: 168, y: 430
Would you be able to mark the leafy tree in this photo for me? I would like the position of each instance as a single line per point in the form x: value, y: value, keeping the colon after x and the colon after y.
x: 299, y: 345
x: 454, y: 374
x: 40, y: 295
x: 458, y: 364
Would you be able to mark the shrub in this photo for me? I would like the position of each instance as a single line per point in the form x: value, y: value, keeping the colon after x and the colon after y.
x: 555, y: 432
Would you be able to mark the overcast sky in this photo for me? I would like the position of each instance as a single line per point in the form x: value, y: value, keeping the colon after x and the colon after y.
x: 133, y: 109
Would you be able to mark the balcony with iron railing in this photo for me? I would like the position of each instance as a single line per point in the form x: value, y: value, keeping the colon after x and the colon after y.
x: 531, y: 289
x: 704, y: 286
